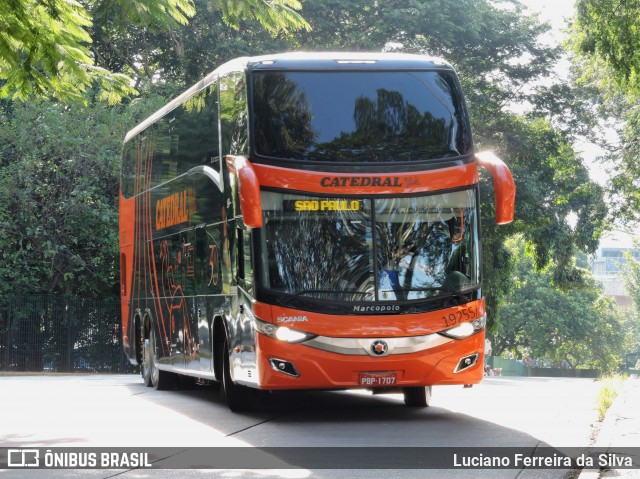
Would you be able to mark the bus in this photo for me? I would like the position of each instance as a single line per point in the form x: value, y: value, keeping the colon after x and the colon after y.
x: 308, y: 221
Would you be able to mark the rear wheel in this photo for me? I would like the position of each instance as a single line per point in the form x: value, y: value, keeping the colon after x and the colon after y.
x: 160, y: 380
x: 417, y: 396
x: 239, y: 398
x: 147, y: 360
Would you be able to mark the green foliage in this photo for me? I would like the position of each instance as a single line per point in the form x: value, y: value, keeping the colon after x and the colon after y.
x: 624, y: 158
x: 631, y: 271
x: 580, y: 326
x: 610, y: 387
x: 150, y: 14
x: 44, y: 53
x: 59, y: 170
x: 183, y: 55
x: 607, y: 32
x: 605, y: 38
x: 553, y: 188
x: 275, y: 16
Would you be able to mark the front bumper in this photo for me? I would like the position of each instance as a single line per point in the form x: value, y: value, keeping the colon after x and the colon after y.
x: 338, y: 365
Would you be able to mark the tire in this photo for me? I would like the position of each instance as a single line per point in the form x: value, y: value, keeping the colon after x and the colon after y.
x: 239, y: 398
x: 147, y: 359
x: 417, y: 396
x: 160, y: 380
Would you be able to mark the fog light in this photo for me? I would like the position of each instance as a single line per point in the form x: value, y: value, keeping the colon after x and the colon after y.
x: 283, y: 366
x: 466, y: 362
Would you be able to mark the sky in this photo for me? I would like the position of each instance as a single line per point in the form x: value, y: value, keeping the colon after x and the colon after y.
x: 554, y: 11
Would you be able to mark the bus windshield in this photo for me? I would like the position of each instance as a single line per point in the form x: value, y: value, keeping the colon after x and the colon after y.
x: 359, y: 116
x: 365, y: 249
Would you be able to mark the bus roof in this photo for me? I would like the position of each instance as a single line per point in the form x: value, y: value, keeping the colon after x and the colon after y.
x: 317, y: 61
x: 345, y: 60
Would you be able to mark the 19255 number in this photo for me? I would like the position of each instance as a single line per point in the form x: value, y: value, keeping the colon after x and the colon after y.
x: 460, y: 316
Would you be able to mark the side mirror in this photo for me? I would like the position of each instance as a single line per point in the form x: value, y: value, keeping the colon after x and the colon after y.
x: 249, y: 189
x: 503, y: 184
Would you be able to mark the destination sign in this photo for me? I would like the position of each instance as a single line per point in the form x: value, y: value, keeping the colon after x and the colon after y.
x: 323, y: 205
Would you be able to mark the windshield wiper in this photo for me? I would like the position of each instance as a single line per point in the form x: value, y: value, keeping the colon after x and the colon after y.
x: 452, y: 292
x: 301, y: 292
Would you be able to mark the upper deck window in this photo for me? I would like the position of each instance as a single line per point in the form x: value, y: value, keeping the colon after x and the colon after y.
x: 359, y: 116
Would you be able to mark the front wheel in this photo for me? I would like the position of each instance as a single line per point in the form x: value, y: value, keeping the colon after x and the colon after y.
x: 417, y: 396
x: 239, y: 398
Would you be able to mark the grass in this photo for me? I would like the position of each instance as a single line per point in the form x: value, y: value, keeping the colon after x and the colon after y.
x: 610, y: 387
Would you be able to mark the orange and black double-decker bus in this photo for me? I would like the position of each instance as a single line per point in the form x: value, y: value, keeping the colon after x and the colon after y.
x: 308, y: 221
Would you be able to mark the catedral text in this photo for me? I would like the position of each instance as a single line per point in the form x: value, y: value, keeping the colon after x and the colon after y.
x: 360, y: 181
x: 174, y: 209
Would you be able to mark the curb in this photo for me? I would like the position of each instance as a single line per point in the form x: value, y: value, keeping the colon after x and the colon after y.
x: 613, y: 425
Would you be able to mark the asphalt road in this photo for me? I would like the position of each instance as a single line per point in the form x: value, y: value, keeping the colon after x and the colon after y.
x: 118, y: 411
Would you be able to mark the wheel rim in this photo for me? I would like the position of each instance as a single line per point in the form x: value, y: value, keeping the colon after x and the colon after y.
x: 154, y: 371
x: 146, y: 359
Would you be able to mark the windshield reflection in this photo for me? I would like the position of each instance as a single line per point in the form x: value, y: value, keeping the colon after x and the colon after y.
x: 359, y: 116
x: 358, y: 250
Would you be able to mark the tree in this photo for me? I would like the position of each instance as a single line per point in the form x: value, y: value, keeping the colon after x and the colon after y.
x: 552, y: 185
x: 605, y: 40
x: 44, y: 44
x: 631, y: 271
x: 59, y: 221
x: 606, y: 33
x: 580, y: 326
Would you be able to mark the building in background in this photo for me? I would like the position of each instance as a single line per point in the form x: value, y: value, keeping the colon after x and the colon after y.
x: 608, y: 263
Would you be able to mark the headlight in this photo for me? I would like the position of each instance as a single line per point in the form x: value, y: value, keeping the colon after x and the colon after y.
x: 466, y: 329
x: 282, y: 333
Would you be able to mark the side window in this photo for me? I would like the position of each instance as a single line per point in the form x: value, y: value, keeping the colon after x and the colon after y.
x: 239, y: 259
x: 233, y: 114
x: 248, y: 260
x: 244, y: 265
x: 166, y: 165
x: 128, y: 169
x: 198, y: 129
x: 135, y: 155
x: 187, y: 136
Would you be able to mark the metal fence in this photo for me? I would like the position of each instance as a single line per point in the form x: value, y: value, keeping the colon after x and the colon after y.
x: 61, y: 334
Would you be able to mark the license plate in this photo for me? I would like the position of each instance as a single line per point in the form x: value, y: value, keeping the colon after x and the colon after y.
x: 378, y: 379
